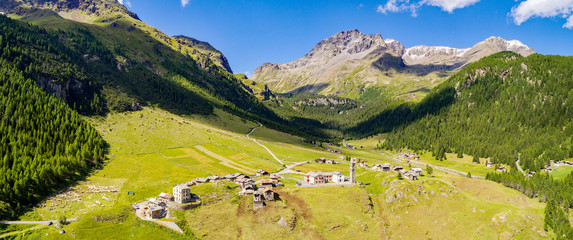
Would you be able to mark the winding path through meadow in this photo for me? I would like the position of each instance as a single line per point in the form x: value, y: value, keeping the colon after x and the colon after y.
x: 268, y: 150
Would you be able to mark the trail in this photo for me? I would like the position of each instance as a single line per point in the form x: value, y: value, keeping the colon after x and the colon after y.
x: 519, y: 167
x: 421, y: 164
x: 268, y: 150
x: 36, y: 222
x: 288, y: 169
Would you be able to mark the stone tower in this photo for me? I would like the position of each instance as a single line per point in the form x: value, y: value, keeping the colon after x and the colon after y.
x: 352, y: 167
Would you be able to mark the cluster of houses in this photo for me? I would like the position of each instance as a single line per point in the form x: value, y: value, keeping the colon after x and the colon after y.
x: 324, y: 177
x: 325, y: 161
x: 409, y: 155
x: 412, y: 174
x: 261, y: 192
x: 155, y: 208
x: 264, y: 192
x: 182, y: 192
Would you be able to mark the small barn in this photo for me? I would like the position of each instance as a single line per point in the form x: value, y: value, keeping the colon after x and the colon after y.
x: 386, y: 167
x: 269, y: 194
x: 262, y: 172
x: 417, y: 171
x: 397, y: 168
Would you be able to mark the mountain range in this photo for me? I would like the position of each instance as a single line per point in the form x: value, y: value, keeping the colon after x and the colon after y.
x: 351, y: 61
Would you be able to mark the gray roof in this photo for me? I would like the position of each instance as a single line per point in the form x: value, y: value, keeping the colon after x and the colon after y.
x: 182, y: 186
x: 314, y: 174
x: 202, y: 179
x: 233, y: 175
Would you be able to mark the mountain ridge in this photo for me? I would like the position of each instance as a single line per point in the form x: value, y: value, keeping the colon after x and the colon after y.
x: 115, y: 15
x: 368, y: 60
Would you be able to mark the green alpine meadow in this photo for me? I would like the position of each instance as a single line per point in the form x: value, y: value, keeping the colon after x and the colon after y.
x: 140, y: 119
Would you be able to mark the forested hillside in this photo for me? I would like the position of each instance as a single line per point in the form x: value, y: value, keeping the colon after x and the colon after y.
x: 43, y: 142
x: 500, y: 107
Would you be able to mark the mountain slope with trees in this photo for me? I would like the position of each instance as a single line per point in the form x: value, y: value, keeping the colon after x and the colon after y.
x: 43, y: 142
x: 501, y: 107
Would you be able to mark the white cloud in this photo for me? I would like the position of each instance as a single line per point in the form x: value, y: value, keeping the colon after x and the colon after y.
x: 569, y: 23
x: 126, y: 3
x: 450, y: 5
x: 184, y: 3
x: 395, y: 6
x: 544, y: 9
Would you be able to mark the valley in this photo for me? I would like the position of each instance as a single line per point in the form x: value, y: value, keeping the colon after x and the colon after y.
x: 112, y: 129
x: 380, y: 206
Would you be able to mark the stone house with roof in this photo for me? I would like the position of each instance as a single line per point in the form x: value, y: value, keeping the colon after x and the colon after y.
x: 397, y: 168
x: 269, y: 194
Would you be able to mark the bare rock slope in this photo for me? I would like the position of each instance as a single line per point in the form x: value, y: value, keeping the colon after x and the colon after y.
x: 351, y: 61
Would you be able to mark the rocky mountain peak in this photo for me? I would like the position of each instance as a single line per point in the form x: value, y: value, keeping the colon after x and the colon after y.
x: 347, y: 42
x: 508, y: 45
x: 395, y: 46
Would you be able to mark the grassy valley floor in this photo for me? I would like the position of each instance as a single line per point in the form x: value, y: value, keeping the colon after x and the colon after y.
x: 152, y: 150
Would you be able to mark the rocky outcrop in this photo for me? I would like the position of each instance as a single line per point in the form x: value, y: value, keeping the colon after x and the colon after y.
x: 61, y: 89
x: 205, y: 48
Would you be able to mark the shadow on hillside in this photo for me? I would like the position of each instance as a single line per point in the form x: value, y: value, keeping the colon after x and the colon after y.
x: 309, y: 88
x: 390, y: 62
x: 423, y: 69
x: 403, y: 114
x: 423, y: 89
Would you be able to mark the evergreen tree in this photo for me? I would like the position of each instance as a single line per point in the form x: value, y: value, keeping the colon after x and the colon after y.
x: 429, y: 169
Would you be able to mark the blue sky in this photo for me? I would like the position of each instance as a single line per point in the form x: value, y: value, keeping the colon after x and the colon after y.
x: 252, y: 32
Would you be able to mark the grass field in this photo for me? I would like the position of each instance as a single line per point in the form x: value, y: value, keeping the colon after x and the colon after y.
x: 561, y: 172
x: 153, y: 150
